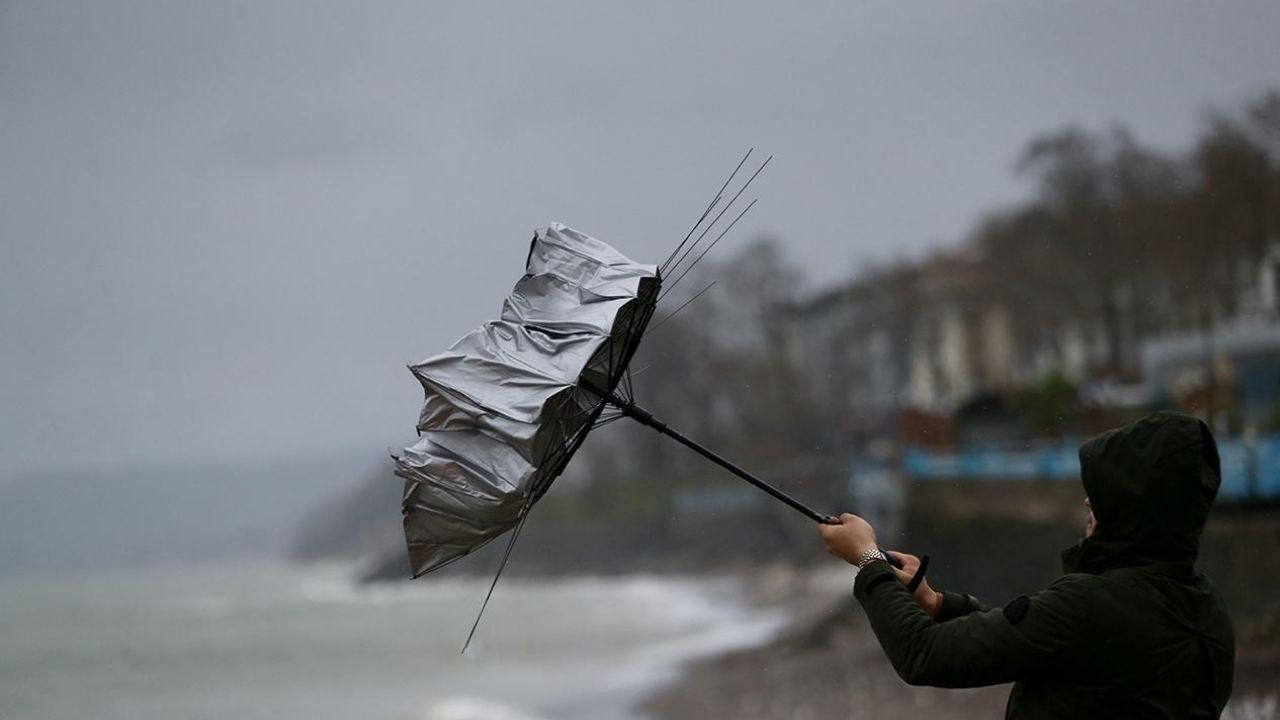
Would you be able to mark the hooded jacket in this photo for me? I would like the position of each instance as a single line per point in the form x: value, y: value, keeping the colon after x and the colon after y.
x: 1131, y: 630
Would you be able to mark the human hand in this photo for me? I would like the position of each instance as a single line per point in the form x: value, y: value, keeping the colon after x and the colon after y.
x: 849, y: 539
x: 929, y: 600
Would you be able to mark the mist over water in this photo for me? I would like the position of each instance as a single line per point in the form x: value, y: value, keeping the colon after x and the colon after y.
x: 269, y: 641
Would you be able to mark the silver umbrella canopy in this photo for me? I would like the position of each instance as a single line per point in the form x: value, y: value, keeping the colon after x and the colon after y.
x: 508, y: 404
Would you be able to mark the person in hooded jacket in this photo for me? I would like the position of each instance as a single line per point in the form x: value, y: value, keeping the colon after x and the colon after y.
x: 1130, y: 630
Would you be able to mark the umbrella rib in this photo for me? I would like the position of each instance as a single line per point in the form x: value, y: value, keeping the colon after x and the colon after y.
x: 502, y: 565
x: 648, y: 316
x: 570, y: 445
x: 555, y: 463
x: 709, y: 247
x: 686, y: 304
x: 662, y: 269
x: 626, y: 370
x: 707, y: 211
x: 601, y: 423
x: 631, y: 389
x: 720, y: 214
x: 610, y: 413
x: 609, y: 368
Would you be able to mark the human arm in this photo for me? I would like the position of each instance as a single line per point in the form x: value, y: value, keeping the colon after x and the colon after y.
x: 967, y: 646
x: 853, y: 535
x: 978, y: 648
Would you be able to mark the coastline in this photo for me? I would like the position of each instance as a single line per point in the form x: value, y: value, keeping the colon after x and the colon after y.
x: 307, y: 641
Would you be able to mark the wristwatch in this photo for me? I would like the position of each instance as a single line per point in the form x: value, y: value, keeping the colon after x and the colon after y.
x: 868, y: 556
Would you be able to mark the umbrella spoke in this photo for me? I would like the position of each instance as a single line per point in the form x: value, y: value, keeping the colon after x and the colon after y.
x: 708, y: 209
x: 723, y: 210
x: 686, y: 304
x: 602, y: 423
x: 502, y: 565
x: 704, y: 252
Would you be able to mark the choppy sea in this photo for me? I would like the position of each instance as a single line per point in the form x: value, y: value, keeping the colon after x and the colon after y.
x: 280, y: 641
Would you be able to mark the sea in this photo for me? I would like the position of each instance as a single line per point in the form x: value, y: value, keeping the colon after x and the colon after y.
x: 273, y: 640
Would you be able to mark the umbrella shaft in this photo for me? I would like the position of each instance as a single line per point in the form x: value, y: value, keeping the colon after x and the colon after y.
x: 646, y: 418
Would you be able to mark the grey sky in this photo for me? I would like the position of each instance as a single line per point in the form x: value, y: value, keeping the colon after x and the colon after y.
x: 226, y: 227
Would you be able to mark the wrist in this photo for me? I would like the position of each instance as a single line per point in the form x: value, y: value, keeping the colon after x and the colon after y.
x: 933, y: 607
x: 868, y: 556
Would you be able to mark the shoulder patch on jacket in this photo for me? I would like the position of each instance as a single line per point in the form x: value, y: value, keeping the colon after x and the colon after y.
x: 1017, y: 609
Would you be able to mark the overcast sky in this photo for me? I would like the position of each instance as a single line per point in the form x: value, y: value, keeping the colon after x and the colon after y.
x: 227, y: 226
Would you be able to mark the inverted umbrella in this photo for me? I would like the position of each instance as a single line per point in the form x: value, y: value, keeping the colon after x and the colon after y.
x: 508, y: 404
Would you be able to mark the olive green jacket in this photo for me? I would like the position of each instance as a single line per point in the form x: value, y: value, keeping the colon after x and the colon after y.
x: 1129, y: 631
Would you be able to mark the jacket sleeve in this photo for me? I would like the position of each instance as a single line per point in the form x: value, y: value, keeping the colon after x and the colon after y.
x: 956, y: 605
x: 978, y: 648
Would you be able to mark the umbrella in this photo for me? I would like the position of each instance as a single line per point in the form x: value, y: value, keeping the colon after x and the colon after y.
x: 508, y: 405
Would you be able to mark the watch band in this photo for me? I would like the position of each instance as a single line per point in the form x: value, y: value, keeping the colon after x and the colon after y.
x: 868, y: 556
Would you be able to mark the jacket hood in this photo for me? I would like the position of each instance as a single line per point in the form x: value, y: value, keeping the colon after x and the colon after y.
x: 1151, y: 484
